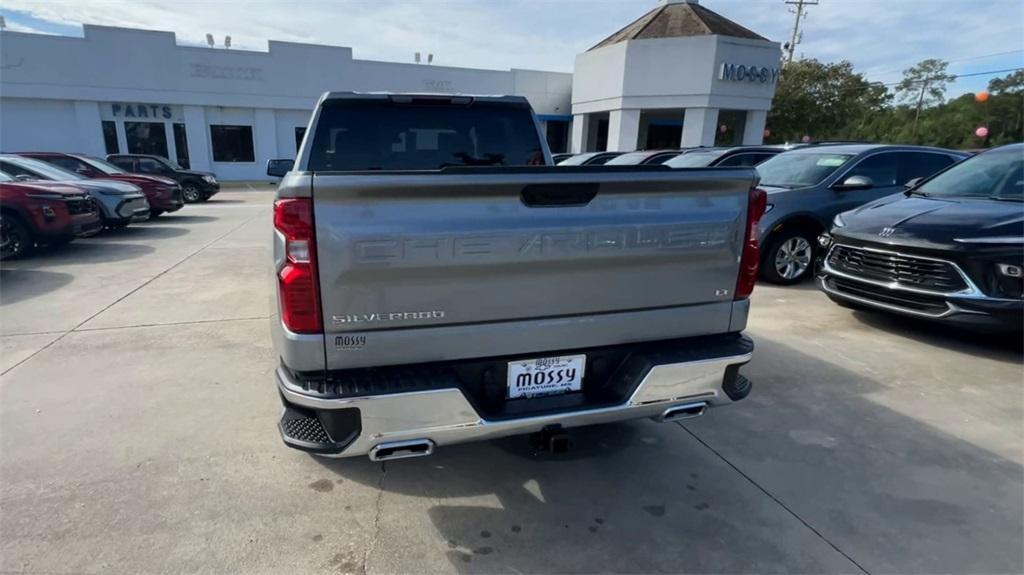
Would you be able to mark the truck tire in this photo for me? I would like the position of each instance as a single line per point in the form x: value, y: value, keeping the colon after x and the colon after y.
x: 789, y: 258
x: 15, y: 237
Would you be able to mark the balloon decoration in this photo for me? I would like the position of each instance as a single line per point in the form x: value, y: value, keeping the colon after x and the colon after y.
x: 806, y: 139
x: 981, y: 97
x: 981, y: 132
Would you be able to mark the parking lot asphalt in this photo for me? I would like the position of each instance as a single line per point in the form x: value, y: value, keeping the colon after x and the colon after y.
x: 138, y: 434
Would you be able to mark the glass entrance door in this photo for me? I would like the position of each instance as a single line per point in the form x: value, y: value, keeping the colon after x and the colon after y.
x: 181, y: 145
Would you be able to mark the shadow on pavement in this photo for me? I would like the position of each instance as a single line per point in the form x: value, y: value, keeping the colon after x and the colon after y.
x: 138, y: 232
x: 82, y: 251
x: 176, y: 218
x: 18, y: 285
x: 894, y: 493
x: 998, y: 346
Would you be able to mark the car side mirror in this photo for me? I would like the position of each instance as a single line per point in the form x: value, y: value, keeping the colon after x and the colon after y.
x: 911, y: 184
x: 854, y: 183
x: 278, y: 168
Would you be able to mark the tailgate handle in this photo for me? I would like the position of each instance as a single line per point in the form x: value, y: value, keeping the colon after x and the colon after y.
x: 558, y: 195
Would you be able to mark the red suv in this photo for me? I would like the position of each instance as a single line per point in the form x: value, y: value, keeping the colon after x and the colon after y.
x: 42, y: 213
x: 164, y: 194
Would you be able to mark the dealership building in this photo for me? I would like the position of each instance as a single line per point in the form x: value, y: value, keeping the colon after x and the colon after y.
x: 681, y: 75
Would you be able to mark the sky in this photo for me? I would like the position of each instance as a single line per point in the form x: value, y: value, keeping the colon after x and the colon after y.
x: 880, y: 37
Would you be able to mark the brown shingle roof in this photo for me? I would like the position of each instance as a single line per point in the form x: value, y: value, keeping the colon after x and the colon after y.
x: 677, y: 20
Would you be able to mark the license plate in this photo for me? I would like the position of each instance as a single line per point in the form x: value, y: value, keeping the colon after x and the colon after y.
x: 545, y: 376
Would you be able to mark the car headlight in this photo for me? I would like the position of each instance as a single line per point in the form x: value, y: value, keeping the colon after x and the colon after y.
x: 838, y: 222
x: 768, y: 207
x: 210, y: 179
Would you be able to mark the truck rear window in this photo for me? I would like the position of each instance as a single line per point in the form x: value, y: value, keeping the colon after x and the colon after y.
x: 382, y: 135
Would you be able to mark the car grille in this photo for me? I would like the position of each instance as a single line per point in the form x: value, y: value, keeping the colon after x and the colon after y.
x: 80, y: 206
x: 907, y: 271
x: 914, y: 302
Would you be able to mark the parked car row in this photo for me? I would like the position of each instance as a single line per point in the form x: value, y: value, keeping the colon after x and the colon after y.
x: 42, y: 195
x: 807, y: 185
x: 683, y: 158
x: 922, y: 232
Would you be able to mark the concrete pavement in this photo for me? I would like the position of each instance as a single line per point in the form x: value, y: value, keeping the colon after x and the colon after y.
x: 137, y: 434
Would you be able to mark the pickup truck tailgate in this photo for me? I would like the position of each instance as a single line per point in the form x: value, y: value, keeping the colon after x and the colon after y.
x: 408, y: 256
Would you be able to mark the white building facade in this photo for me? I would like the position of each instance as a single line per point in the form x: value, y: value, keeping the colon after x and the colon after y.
x: 118, y: 90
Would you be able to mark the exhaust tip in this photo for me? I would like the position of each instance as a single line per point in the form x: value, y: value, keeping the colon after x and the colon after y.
x: 402, y: 450
x: 685, y: 411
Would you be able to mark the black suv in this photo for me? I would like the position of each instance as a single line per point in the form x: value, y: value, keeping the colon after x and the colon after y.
x: 195, y: 186
x: 949, y: 248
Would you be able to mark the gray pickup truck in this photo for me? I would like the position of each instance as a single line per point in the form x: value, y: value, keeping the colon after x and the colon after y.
x: 439, y: 281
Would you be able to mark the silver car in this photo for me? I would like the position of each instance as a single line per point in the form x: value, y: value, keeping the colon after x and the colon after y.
x: 120, y: 203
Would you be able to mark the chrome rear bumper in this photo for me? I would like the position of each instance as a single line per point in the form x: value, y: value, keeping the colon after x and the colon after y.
x: 446, y: 417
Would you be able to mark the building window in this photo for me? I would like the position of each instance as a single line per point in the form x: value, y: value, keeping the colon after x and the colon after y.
x: 110, y: 137
x: 602, y: 135
x: 731, y: 124
x: 146, y: 138
x: 181, y: 145
x: 232, y: 143
x: 558, y: 135
x: 300, y: 133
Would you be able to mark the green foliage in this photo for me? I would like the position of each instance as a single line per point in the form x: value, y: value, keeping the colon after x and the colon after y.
x: 832, y: 102
x: 925, y: 82
x: 816, y: 99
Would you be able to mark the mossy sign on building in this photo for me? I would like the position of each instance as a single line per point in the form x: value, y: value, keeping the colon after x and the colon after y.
x: 752, y: 73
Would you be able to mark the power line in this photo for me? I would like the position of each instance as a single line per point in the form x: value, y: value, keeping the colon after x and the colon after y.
x: 958, y: 60
x: 870, y: 85
x: 955, y: 76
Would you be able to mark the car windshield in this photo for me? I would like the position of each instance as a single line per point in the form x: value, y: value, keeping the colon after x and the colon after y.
x: 695, y: 159
x: 102, y: 165
x: 170, y: 163
x: 42, y: 169
x: 577, y: 160
x: 630, y: 159
x: 796, y: 170
x: 998, y: 174
x: 4, y: 177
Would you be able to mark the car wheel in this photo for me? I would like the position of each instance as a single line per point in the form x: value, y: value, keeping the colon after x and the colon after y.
x: 15, y: 238
x: 789, y: 258
x: 190, y: 191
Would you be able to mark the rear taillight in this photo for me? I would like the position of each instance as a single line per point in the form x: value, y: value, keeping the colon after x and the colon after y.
x: 297, y: 280
x: 751, y: 257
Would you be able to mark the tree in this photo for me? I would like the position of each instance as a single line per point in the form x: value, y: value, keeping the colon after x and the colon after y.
x: 1012, y: 84
x: 924, y: 83
x: 824, y: 101
x: 1005, y: 109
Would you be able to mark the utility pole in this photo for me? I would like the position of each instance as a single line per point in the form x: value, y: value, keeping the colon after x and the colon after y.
x: 794, y: 39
